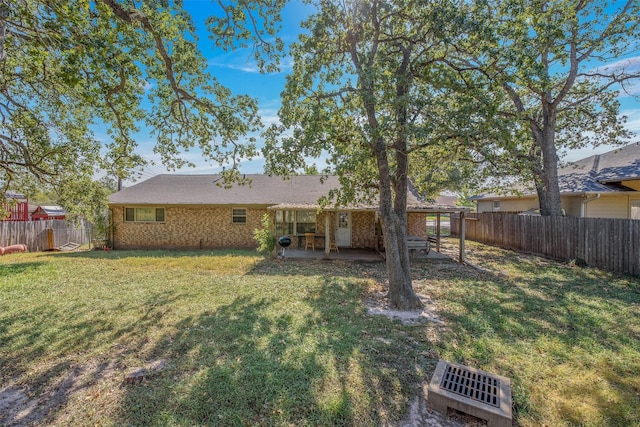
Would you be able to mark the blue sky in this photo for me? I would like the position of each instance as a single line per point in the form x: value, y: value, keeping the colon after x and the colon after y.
x: 237, y: 71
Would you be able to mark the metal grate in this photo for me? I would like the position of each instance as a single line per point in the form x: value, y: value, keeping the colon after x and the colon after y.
x: 473, y: 385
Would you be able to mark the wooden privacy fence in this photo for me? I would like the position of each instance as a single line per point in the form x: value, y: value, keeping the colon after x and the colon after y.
x: 607, y: 243
x: 43, y: 235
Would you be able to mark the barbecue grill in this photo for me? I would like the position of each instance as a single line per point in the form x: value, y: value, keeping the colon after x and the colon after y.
x: 284, y: 242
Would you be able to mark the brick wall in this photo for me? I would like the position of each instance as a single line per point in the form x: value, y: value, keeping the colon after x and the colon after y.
x: 211, y: 227
x: 417, y: 224
x: 363, y: 230
x: 188, y: 228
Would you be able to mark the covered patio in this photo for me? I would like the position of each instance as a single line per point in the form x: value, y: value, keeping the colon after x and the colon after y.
x: 328, y: 222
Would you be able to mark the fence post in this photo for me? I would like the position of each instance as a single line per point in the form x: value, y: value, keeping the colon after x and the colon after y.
x: 462, y: 232
x: 49, y: 238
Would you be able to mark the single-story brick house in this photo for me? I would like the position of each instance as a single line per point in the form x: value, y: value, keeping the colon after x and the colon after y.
x: 599, y: 186
x: 195, y: 211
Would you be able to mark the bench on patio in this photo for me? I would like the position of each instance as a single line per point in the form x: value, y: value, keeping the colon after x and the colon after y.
x: 417, y: 243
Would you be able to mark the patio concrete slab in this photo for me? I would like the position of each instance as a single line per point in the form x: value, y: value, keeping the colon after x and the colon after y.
x: 366, y: 255
x: 346, y: 254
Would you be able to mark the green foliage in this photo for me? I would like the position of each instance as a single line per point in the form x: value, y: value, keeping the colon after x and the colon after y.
x: 66, y: 66
x: 529, y: 66
x: 265, y: 236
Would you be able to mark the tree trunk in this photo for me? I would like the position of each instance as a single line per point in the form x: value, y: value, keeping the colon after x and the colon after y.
x: 393, y: 218
x: 401, y: 294
x: 393, y: 203
x: 547, y: 185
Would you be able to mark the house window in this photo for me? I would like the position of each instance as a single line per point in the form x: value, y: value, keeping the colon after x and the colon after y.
x: 144, y: 214
x: 284, y: 222
x: 295, y: 222
x: 305, y: 222
x: 239, y: 216
x: 496, y: 205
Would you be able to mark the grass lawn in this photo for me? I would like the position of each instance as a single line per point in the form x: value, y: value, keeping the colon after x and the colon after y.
x: 239, y: 340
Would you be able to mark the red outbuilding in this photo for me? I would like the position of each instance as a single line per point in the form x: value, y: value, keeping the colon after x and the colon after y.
x: 17, y: 206
x: 48, y: 212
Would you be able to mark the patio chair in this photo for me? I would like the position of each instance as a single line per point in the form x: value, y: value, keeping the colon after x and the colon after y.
x: 310, y: 241
x: 332, y: 243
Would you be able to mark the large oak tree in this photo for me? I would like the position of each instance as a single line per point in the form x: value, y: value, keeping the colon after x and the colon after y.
x: 540, y: 65
x: 68, y: 65
x: 359, y: 95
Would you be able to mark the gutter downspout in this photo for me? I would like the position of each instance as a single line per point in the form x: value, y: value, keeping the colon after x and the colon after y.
x: 584, y: 203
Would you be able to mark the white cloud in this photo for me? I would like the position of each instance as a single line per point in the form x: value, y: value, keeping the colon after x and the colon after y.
x: 145, y: 85
x: 633, y: 120
x: 626, y: 65
x: 269, y: 117
x: 629, y: 65
x: 242, y: 60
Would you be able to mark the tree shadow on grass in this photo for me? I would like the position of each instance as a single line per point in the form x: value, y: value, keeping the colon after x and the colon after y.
x: 320, y: 267
x: 7, y: 270
x: 32, y: 391
x: 46, y: 329
x: 545, y: 314
x: 257, y: 362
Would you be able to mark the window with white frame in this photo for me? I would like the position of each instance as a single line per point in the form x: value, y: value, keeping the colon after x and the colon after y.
x: 496, y: 205
x: 239, y: 216
x: 144, y: 214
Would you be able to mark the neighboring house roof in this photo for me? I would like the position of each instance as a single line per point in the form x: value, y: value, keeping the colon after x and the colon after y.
x: 297, y: 192
x: 51, y: 210
x: 444, y: 199
x: 600, y: 173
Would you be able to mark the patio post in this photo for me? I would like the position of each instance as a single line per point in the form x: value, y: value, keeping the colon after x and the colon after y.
x: 438, y: 232
x: 327, y: 234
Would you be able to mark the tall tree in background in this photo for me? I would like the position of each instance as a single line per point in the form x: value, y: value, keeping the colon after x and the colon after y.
x: 65, y: 65
x: 358, y: 94
x: 537, y: 62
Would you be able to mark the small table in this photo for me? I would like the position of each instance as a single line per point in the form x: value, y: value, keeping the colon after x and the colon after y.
x: 301, y: 236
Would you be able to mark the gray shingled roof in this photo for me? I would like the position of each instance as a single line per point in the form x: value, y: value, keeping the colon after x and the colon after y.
x: 175, y: 189
x: 600, y: 173
x: 53, y: 210
x: 298, y: 192
x: 597, y: 172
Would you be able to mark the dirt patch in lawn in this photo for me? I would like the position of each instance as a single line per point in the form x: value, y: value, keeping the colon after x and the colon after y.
x: 22, y: 406
x: 378, y: 304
